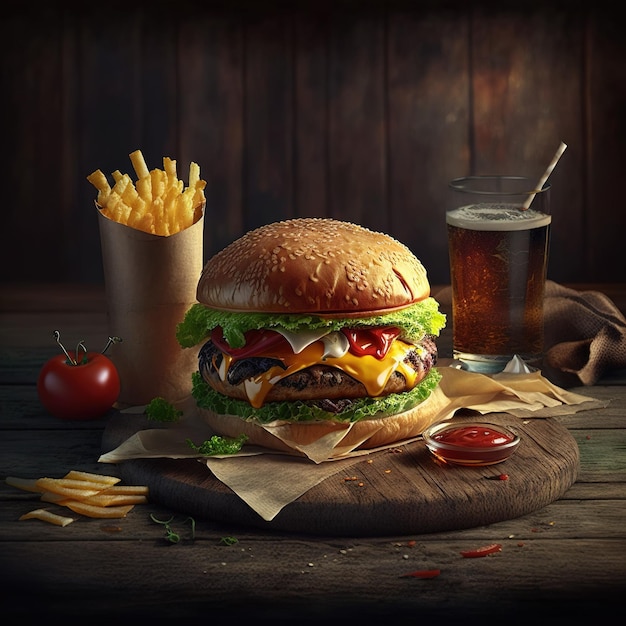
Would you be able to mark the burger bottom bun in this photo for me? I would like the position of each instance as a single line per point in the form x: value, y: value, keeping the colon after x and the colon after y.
x: 363, y: 435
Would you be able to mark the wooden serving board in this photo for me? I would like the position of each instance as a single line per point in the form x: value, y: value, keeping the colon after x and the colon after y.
x: 400, y: 491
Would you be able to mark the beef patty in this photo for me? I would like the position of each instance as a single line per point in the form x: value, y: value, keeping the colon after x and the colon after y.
x: 319, y: 381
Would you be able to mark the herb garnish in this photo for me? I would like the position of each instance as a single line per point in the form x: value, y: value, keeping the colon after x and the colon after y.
x: 219, y: 445
x: 160, y: 410
x: 170, y: 535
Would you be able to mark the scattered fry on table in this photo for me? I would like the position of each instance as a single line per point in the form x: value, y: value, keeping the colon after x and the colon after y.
x: 25, y: 484
x: 94, y: 478
x: 91, y: 495
x: 100, y: 512
x: 48, y: 516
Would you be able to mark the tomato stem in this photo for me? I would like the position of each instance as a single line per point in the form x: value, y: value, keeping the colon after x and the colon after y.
x: 110, y: 341
x: 57, y: 336
x: 80, y: 344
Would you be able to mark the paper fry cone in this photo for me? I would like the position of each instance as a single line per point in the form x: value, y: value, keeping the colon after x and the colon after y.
x: 150, y: 283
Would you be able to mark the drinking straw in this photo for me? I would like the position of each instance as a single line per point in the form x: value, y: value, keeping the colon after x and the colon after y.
x: 542, y: 180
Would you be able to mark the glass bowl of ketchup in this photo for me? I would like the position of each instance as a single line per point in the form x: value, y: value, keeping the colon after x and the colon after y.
x: 470, y: 444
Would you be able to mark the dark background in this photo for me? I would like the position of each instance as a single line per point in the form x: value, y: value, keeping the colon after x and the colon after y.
x: 356, y: 110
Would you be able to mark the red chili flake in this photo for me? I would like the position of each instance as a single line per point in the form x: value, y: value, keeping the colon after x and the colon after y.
x: 520, y: 544
x: 588, y: 437
x: 411, y: 543
x: 484, y: 551
x: 498, y: 477
x: 422, y: 573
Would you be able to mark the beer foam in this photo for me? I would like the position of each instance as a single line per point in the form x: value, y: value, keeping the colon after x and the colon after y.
x: 491, y: 216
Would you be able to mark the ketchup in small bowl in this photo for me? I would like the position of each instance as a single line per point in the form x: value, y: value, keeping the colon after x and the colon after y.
x: 470, y: 444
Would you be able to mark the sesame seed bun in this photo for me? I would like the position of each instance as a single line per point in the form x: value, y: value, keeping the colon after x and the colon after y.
x: 313, y: 265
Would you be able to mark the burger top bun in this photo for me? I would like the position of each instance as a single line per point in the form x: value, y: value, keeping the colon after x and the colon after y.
x: 313, y: 265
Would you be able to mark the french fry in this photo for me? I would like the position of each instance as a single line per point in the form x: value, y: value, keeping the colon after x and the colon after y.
x: 128, y: 193
x: 100, y: 182
x: 139, y: 164
x: 25, y: 484
x: 121, y: 182
x: 104, y: 499
x: 144, y: 189
x: 73, y: 489
x: 169, y: 165
x: 158, y: 184
x: 194, y: 175
x: 116, y: 209
x: 185, y: 208
x: 100, y: 512
x: 157, y: 202
x: 50, y: 484
x: 135, y: 490
x: 161, y: 226
x: 137, y: 217
x: 93, y: 478
x: 47, y: 516
x: 146, y: 223
x: 54, y: 498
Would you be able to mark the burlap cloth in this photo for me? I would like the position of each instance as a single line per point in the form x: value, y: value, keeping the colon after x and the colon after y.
x: 585, y: 334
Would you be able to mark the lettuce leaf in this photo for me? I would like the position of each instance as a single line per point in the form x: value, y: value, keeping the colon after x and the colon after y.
x: 363, y: 408
x: 416, y: 321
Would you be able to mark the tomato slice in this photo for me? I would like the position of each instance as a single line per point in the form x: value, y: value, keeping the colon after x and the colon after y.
x: 373, y: 341
x: 363, y: 341
x: 257, y: 343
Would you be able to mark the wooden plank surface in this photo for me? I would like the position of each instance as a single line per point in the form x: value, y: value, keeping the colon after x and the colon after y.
x: 211, y: 62
x: 328, y: 581
x: 427, y: 143
x: 517, y: 60
x: 356, y: 106
x: 605, y: 94
x: 268, y: 184
x: 362, y: 112
x: 311, y: 120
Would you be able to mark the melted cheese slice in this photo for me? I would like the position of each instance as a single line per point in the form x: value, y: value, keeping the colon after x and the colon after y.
x: 373, y: 373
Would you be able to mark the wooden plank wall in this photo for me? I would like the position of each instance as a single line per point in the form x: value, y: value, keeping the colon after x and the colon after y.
x: 359, y: 111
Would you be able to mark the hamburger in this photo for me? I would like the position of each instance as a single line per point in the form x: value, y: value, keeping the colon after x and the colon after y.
x: 311, y: 325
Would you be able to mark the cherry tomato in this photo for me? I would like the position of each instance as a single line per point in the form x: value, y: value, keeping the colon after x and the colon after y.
x: 81, y: 391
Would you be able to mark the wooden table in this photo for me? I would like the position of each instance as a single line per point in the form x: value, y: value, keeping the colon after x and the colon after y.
x: 563, y: 562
